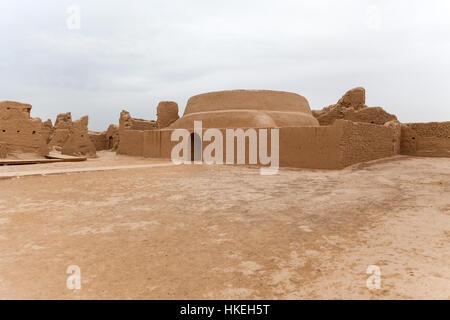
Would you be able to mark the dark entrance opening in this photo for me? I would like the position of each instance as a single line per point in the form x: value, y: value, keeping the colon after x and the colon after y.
x: 196, y: 147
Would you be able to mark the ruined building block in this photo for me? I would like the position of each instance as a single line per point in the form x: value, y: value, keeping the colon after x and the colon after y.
x: 61, y: 131
x: 426, y: 139
x: 107, y: 140
x: 47, y: 130
x: 354, y: 98
x: 112, y: 137
x: 20, y: 132
x: 352, y: 107
x: 167, y: 112
x: 3, y: 150
x: 78, y: 143
x: 126, y: 122
x: 98, y: 139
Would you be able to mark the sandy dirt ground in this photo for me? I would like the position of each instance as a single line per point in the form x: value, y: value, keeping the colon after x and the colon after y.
x: 226, y: 232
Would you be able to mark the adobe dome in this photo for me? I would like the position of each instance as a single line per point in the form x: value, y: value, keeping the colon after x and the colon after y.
x: 247, y: 109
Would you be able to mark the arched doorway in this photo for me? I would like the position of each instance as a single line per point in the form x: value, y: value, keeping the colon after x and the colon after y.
x: 196, y: 147
x: 110, y: 143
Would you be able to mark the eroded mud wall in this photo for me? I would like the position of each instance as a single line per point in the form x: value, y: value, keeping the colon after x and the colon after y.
x: 328, y: 147
x: 426, y: 139
x: 352, y: 106
x: 167, y: 112
x: 78, y: 142
x: 99, y: 140
x: 18, y: 131
x: 362, y: 142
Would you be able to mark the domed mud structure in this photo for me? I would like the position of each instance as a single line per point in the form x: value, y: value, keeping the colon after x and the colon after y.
x: 247, y: 109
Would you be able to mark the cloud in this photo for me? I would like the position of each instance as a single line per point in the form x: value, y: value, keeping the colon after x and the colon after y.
x: 134, y: 53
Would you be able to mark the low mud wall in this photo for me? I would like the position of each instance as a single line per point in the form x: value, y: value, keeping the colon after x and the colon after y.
x: 426, y: 139
x: 328, y: 147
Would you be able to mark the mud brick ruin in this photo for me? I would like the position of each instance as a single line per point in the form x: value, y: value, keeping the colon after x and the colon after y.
x: 335, y: 137
x: 19, y: 133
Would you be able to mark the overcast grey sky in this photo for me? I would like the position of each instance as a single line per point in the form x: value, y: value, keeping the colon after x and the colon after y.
x: 132, y: 54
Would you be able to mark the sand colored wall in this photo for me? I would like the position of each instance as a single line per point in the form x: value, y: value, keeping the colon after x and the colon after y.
x: 11, y: 110
x: 99, y: 140
x: 335, y: 147
x: 131, y: 143
x: 107, y: 140
x: 328, y: 147
x: 112, y: 137
x: 129, y: 123
x: 20, y: 132
x: 352, y: 106
x: 72, y: 137
x: 3, y: 150
x: 47, y: 130
x: 61, y: 130
x: 362, y: 142
x: 303, y: 147
x: 426, y: 139
x: 78, y: 142
x: 167, y: 112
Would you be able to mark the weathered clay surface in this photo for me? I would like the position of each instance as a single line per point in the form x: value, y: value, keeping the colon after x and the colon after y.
x: 61, y: 130
x: 167, y: 112
x: 98, y: 139
x: 112, y: 137
x: 152, y: 233
x: 426, y: 139
x: 20, y: 132
x: 352, y: 106
x: 47, y: 130
x: 3, y: 150
x: 78, y: 142
x: 128, y: 123
x: 247, y: 109
x: 107, y: 140
x: 354, y: 98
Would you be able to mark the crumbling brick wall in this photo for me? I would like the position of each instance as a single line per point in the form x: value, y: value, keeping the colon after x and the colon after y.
x: 72, y: 137
x: 352, y: 107
x: 362, y: 142
x: 426, y: 139
x: 47, y: 130
x: 126, y: 122
x: 3, y: 150
x: 112, y: 137
x: 107, y: 140
x: 78, y: 142
x: 61, y: 130
x: 167, y: 112
x: 98, y: 139
x: 18, y: 131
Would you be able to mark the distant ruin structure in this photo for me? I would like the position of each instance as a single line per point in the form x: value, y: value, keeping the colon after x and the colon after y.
x: 71, y: 137
x: 167, y: 113
x: 19, y: 133
x: 108, y: 140
x: 352, y: 106
x: 426, y: 139
x: 335, y: 137
x: 78, y: 142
